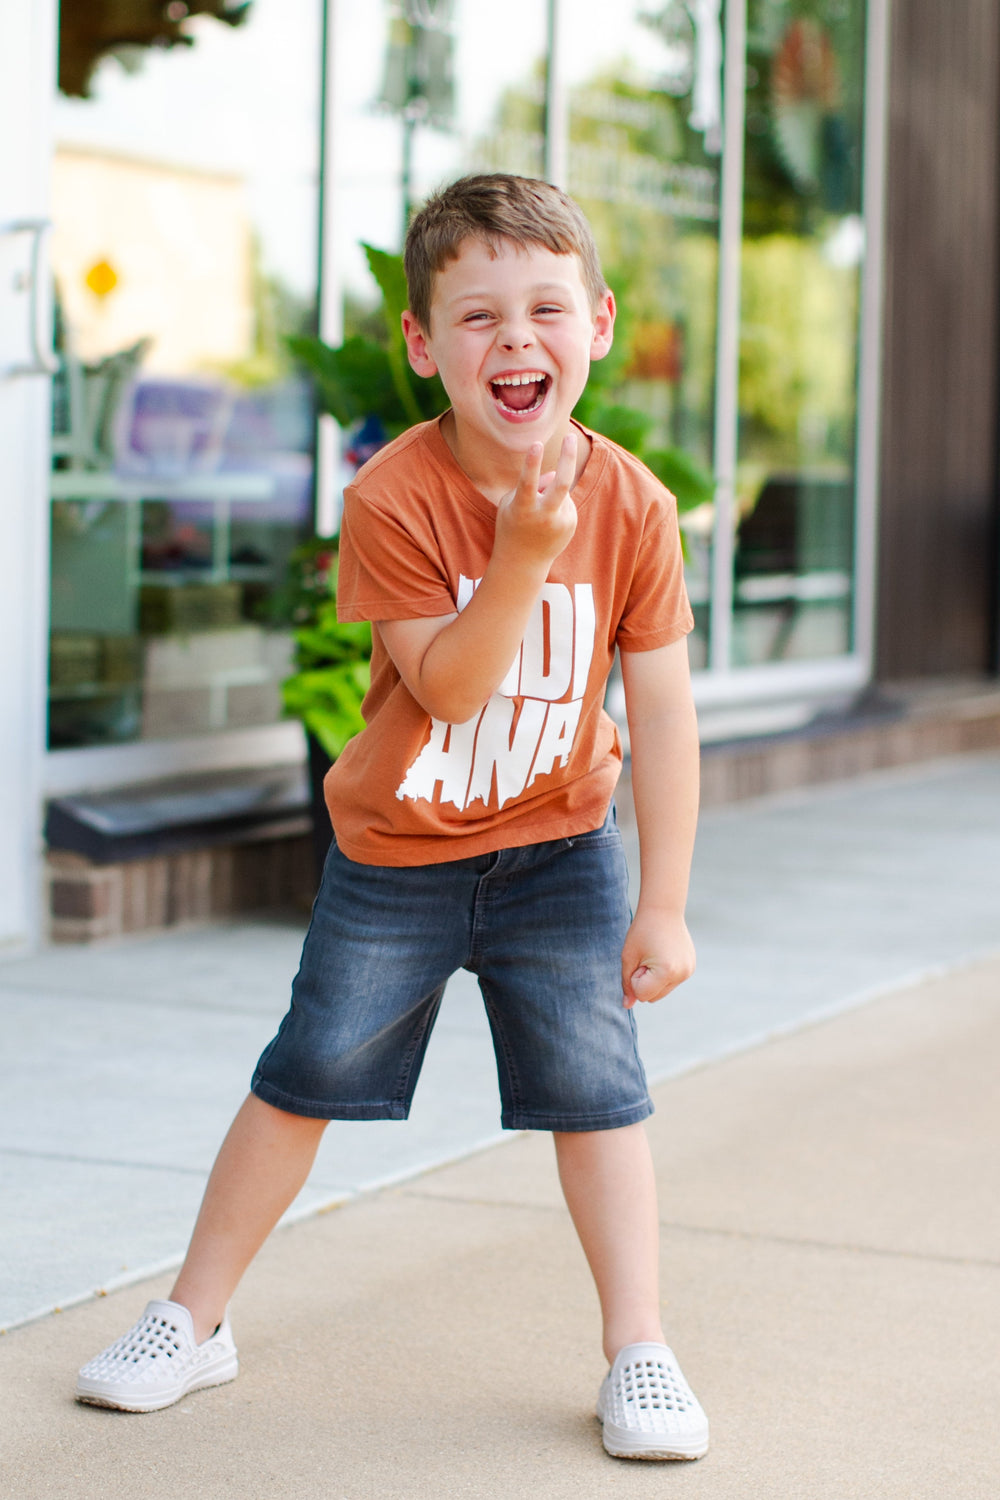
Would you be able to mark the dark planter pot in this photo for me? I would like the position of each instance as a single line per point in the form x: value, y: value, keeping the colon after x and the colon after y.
x: 319, y: 764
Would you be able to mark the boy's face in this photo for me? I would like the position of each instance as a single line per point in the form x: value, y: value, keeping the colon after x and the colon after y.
x: 512, y: 337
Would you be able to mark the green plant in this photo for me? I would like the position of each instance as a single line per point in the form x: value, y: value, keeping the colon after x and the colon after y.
x: 598, y: 407
x: 367, y: 377
x: 332, y: 657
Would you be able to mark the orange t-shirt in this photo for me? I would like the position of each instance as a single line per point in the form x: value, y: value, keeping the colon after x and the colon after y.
x: 541, y: 759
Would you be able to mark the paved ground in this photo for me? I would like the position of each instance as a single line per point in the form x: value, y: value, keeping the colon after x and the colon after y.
x: 123, y: 1065
x: 829, y: 1198
x: 831, y: 1222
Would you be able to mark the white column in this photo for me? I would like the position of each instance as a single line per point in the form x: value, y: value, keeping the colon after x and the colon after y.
x: 556, y: 169
x: 331, y: 327
x: 870, y: 359
x: 728, y: 337
x: 27, y: 82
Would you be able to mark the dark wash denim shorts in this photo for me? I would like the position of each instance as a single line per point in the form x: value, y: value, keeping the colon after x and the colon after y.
x: 542, y: 929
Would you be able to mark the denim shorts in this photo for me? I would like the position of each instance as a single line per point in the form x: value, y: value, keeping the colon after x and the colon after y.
x: 542, y: 929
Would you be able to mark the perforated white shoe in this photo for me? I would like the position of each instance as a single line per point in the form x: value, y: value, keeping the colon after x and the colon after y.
x: 157, y: 1362
x: 648, y: 1409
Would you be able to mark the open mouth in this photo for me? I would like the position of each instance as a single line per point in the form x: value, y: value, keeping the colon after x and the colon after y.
x: 520, y: 393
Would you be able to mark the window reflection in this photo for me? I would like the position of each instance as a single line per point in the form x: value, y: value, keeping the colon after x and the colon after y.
x: 416, y: 107
x: 644, y: 141
x: 802, y: 251
x: 644, y: 135
x: 184, y: 197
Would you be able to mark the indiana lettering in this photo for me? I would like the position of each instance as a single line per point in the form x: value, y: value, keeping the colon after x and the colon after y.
x: 529, y: 723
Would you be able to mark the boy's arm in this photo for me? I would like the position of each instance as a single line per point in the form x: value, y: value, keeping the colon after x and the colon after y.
x: 453, y: 663
x: 658, y: 954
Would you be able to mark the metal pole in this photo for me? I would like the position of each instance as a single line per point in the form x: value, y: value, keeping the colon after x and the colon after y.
x: 406, y: 176
x: 870, y: 331
x: 556, y: 120
x: 728, y: 336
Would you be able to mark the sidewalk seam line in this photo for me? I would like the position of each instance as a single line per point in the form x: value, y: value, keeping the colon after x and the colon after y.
x: 832, y: 1245
x: 707, y: 1229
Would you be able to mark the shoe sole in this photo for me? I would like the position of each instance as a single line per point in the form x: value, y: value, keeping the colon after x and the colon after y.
x: 621, y: 1442
x: 218, y: 1373
x: 619, y: 1449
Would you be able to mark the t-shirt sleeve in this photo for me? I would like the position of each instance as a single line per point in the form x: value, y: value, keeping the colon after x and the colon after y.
x: 657, y: 610
x: 383, y: 572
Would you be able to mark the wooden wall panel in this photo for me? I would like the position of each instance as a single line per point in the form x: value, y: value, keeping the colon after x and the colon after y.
x: 938, y: 556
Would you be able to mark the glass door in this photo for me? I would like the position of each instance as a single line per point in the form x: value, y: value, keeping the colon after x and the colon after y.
x: 802, y: 256
x: 643, y: 86
x: 185, y: 186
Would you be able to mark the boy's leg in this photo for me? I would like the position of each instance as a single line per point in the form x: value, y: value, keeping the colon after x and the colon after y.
x: 374, y: 965
x: 610, y: 1190
x: 261, y: 1166
x: 185, y: 1344
x: 646, y: 1407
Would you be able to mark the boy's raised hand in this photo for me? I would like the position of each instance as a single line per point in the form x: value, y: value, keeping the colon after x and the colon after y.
x: 536, y: 520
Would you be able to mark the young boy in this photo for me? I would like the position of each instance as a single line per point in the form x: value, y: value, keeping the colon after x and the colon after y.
x: 502, y: 553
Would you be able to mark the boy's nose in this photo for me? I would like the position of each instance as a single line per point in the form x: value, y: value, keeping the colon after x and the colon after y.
x: 515, y: 335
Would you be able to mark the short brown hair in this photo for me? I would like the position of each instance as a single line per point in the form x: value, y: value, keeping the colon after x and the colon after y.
x: 493, y: 207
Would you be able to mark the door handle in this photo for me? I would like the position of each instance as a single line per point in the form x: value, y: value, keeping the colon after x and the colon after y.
x: 42, y: 361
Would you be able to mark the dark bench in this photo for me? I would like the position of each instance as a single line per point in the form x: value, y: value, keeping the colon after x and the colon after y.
x: 187, y: 849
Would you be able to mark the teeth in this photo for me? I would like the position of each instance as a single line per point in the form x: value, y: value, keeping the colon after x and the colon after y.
x: 529, y: 377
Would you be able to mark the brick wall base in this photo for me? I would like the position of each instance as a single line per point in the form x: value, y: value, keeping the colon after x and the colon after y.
x: 90, y: 902
x: 931, y: 724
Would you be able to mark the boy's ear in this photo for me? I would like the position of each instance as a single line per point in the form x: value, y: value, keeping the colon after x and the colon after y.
x: 604, y: 323
x: 416, y: 346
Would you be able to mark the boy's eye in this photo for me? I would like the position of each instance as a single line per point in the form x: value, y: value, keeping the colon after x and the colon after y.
x: 476, y: 317
x: 546, y: 308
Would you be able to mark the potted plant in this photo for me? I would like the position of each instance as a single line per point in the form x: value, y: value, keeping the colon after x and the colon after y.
x: 367, y: 378
x: 332, y: 668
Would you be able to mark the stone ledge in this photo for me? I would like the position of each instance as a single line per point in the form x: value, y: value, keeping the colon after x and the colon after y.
x: 900, y: 726
x: 90, y: 903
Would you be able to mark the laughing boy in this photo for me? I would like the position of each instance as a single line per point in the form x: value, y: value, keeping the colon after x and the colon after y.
x: 502, y: 554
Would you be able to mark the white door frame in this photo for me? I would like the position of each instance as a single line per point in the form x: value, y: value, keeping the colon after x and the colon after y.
x: 27, y: 85
x: 722, y: 683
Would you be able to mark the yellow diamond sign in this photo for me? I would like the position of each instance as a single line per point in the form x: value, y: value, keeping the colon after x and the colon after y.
x: 102, y: 278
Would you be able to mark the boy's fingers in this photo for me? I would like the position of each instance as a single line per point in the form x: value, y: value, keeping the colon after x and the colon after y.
x: 633, y: 985
x: 565, y: 472
x: 647, y: 983
x: 527, y: 487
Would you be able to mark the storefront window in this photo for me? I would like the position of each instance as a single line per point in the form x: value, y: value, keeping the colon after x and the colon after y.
x: 185, y: 187
x: 424, y: 92
x: 185, y: 194
x: 645, y: 136
x: 427, y: 91
x: 803, y: 246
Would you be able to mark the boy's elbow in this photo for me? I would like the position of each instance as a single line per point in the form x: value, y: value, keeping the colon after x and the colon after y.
x: 449, y: 705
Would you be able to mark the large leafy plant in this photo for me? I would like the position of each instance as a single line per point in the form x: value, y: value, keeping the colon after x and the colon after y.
x: 363, y: 377
x: 601, y: 409
x: 332, y: 657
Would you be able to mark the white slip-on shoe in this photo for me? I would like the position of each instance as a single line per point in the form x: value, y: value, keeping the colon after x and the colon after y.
x: 648, y: 1409
x: 157, y: 1362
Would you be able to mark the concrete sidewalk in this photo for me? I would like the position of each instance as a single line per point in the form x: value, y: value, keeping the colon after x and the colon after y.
x: 825, y: 1139
x: 123, y: 1065
x: 831, y: 1255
